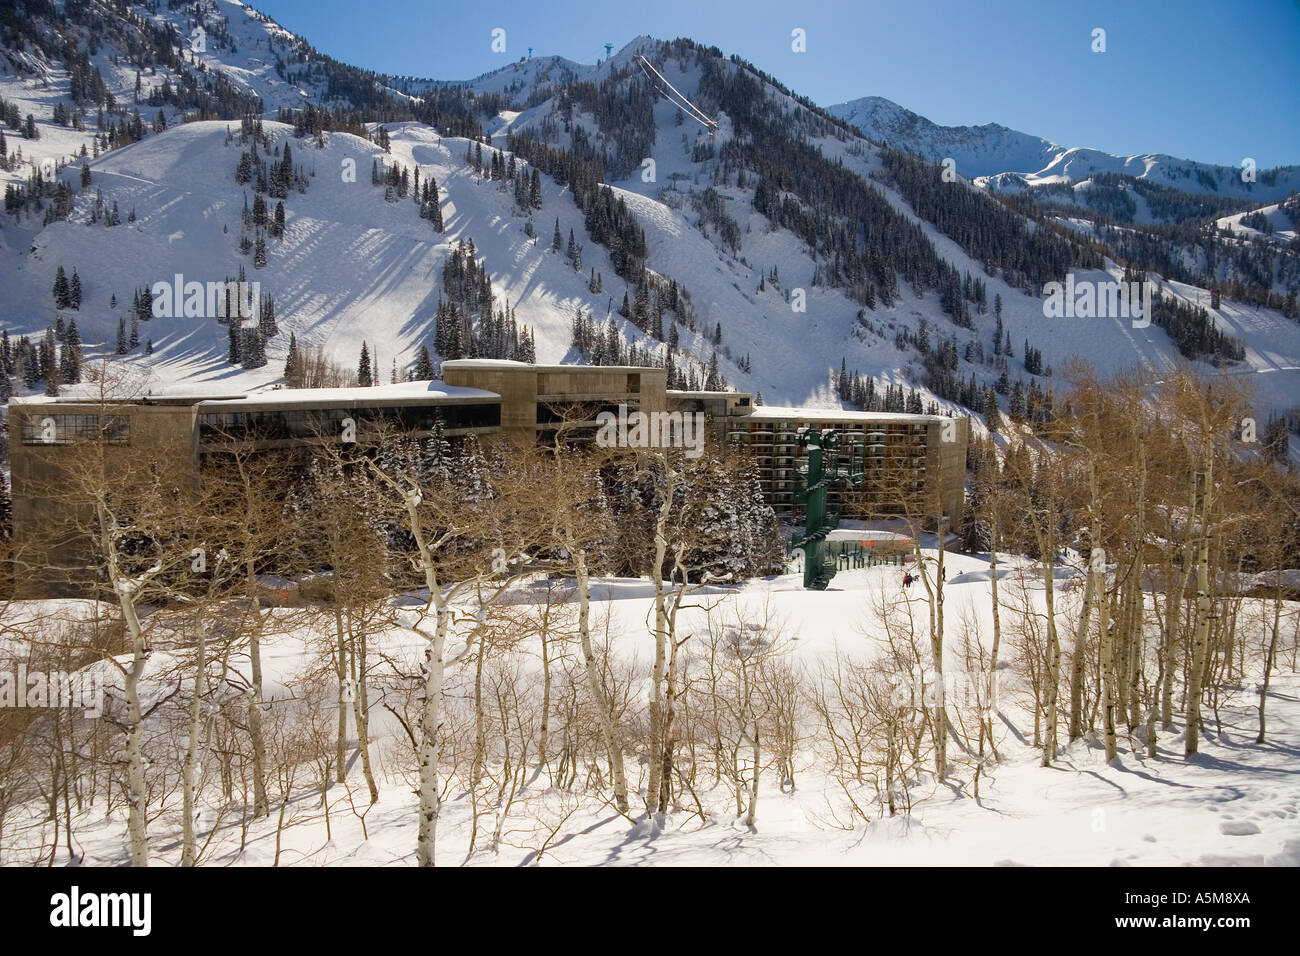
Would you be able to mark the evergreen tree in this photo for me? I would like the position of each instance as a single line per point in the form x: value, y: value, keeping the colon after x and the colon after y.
x: 365, y: 377
x: 575, y: 257
x: 266, y: 318
x: 61, y: 289
x: 1016, y: 404
x: 72, y: 354
x: 291, y: 361
x: 252, y: 347
x: 423, y: 370
x: 27, y: 371
x: 74, y: 291
x: 121, y: 336
x: 992, y: 414
x: 556, y: 241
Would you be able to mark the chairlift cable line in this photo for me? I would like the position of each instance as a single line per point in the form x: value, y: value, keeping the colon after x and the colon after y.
x: 696, y: 113
x: 666, y: 90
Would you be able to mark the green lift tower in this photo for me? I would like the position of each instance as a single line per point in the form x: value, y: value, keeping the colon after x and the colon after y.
x: 824, y: 469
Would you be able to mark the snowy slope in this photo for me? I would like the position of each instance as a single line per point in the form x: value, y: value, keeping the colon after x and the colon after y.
x: 1284, y: 227
x: 352, y: 267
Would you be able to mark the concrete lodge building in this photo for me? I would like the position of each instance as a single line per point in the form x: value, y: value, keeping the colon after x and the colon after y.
x: 909, y: 462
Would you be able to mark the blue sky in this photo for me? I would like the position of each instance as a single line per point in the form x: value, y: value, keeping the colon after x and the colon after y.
x: 1212, y: 81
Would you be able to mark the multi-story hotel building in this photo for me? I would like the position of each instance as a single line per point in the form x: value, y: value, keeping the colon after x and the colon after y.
x: 911, y: 464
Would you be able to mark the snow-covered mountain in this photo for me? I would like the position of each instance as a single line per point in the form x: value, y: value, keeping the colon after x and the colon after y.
x: 1003, y: 158
x: 793, y: 239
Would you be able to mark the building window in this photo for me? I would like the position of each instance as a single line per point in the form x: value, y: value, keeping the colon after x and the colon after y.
x: 67, y: 429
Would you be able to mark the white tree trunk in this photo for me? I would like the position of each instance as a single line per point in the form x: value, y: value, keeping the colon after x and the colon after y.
x: 341, y: 671
x: 1053, y: 675
x: 361, y: 706
x: 430, y: 725
x: 594, y: 684
x: 662, y: 638
x: 1204, y: 609
x: 191, y: 769
x: 261, y: 804
x: 137, y: 825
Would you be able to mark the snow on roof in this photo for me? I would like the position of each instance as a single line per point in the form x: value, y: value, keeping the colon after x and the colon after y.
x: 863, y: 534
x: 486, y: 363
x: 519, y: 366
x: 399, y: 393
x: 89, y: 393
x: 683, y: 393
x: 788, y: 412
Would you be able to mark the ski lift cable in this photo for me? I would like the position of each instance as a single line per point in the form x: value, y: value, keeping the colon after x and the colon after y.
x: 666, y: 89
x: 692, y: 110
x: 656, y: 79
x: 696, y: 113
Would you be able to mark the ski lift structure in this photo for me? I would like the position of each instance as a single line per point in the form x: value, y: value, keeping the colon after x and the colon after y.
x: 660, y: 84
x: 825, y: 468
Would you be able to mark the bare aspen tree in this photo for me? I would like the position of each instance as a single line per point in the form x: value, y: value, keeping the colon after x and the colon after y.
x: 1208, y: 413
x: 125, y: 514
x: 577, y: 517
x: 994, y: 504
x: 663, y: 636
x: 465, y: 531
x: 1275, y: 496
x: 918, y: 512
x: 337, y: 507
x: 198, y: 715
x: 1041, y: 488
x: 251, y: 483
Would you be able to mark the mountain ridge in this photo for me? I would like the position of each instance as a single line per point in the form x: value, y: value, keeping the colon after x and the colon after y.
x: 996, y: 156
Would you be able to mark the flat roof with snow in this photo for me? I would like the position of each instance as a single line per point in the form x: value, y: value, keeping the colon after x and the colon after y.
x: 863, y: 534
x: 399, y: 393
x: 512, y: 365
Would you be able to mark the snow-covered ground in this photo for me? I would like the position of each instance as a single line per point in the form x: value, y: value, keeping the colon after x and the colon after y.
x: 1235, y: 803
x: 1284, y: 227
